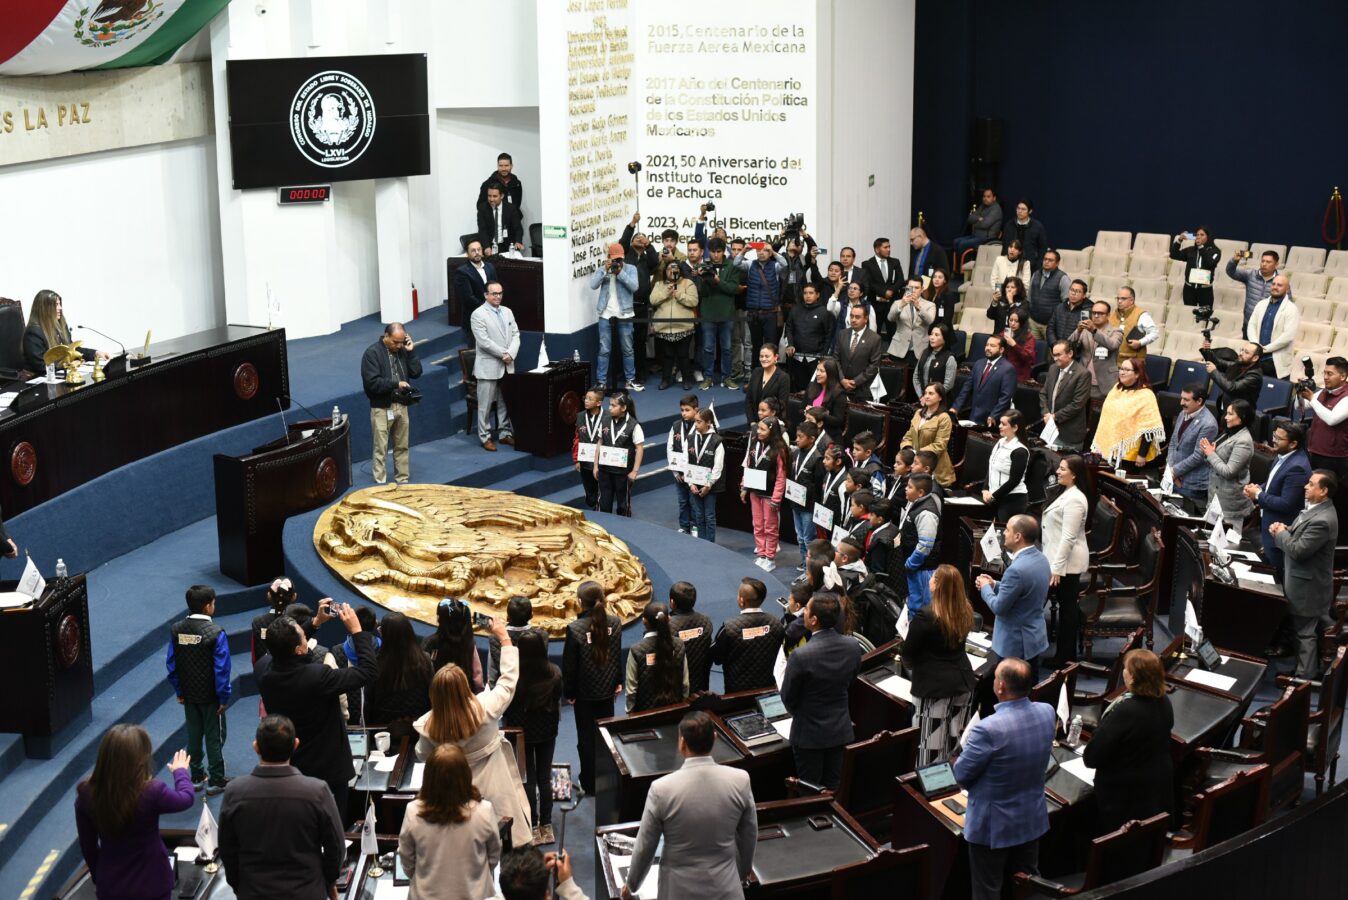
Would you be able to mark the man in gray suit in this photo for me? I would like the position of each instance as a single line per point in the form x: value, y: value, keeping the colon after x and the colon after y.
x: 498, y: 340
x: 280, y: 832
x: 1066, y: 398
x: 705, y: 813
x: 1308, y: 554
x: 815, y: 689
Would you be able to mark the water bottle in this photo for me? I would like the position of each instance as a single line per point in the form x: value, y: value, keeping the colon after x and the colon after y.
x: 336, y: 415
x: 575, y: 356
x: 61, y: 568
x: 1074, y: 732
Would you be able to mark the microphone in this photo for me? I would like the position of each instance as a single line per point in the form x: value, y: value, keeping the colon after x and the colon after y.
x: 303, y: 407
x: 101, y: 334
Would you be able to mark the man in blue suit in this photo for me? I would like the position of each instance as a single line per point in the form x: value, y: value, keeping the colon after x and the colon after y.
x: 1189, y: 465
x: 1002, y: 767
x: 1285, y: 494
x: 815, y: 688
x: 470, y: 286
x: 1018, y: 601
x: 990, y: 387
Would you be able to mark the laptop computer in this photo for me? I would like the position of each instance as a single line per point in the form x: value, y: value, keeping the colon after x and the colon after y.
x: 768, y: 721
x: 936, y: 781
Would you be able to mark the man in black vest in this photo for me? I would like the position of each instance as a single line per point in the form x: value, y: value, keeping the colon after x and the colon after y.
x: 309, y: 693
x: 199, y: 670
x: 919, y: 540
x: 746, y: 646
x: 694, y: 630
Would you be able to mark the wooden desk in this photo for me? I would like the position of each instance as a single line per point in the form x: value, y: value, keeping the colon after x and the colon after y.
x: 52, y: 438
x: 1241, y: 617
x: 255, y: 494
x: 47, y: 664
x: 543, y: 406
x: 1071, y: 821
x: 792, y: 859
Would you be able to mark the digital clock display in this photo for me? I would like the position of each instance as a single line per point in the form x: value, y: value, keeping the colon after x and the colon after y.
x: 308, y: 193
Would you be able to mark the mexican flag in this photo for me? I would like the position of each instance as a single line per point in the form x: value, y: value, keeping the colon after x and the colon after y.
x: 46, y: 37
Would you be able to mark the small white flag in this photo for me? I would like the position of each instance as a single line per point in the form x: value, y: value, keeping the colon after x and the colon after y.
x: 543, y: 361
x: 1050, y: 432
x: 878, y: 389
x: 1192, y: 629
x: 368, y: 845
x: 1217, y: 537
x: 903, y: 622
x: 1168, y: 481
x: 779, y: 668
x: 1064, y: 711
x: 715, y: 422
x: 973, y: 720
x: 207, y: 840
x: 1214, y: 511
x: 992, y: 547
x: 32, y: 583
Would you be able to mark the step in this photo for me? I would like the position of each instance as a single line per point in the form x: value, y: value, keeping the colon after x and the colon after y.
x: 39, y: 794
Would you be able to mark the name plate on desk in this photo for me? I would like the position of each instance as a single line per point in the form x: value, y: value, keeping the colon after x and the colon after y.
x: 586, y: 452
x: 614, y: 456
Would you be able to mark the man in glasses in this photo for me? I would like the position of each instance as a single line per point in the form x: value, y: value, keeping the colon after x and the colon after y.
x: 1095, y: 341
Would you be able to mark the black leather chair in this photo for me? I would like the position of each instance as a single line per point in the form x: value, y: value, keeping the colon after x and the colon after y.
x: 1137, y: 847
x: 1224, y: 811
x: 867, y: 417
x: 895, y: 874
x: 465, y: 238
x: 1090, y: 706
x: 12, y: 326
x: 973, y: 467
x: 1122, y: 597
x: 536, y: 239
x: 1277, y: 738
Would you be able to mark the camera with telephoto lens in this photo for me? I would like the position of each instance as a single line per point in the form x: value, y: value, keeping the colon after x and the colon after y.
x: 709, y: 206
x: 406, y: 396
x: 705, y: 268
x: 634, y: 167
x: 793, y: 225
x: 1307, y: 383
x: 615, y: 266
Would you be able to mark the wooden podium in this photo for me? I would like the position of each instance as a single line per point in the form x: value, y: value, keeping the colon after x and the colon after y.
x: 48, y: 641
x: 255, y: 494
x: 543, y: 406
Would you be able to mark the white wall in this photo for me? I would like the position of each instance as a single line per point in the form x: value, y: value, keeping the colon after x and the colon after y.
x: 488, y: 55
x: 469, y: 142
x: 129, y: 238
x: 869, y: 68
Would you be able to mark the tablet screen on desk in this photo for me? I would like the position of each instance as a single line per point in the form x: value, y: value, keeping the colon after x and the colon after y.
x: 360, y: 743
x: 1208, y: 655
x: 771, y: 706
x: 935, y: 780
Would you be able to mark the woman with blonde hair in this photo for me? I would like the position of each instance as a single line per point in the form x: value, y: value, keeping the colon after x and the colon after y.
x: 1130, y: 748
x: 117, y: 813
x: 468, y: 720
x: 47, y: 328
x: 449, y: 845
x: 943, y: 680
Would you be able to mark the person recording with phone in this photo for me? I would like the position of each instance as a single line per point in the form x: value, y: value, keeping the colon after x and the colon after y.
x: 1200, y: 265
x: 387, y: 369
x: 1258, y: 282
x: 310, y: 696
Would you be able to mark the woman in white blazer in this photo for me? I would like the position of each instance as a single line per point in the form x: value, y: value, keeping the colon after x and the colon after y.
x: 1068, y: 555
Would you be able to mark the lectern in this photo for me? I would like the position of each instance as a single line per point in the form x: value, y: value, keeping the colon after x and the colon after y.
x: 543, y: 406
x: 255, y: 494
x: 45, y: 661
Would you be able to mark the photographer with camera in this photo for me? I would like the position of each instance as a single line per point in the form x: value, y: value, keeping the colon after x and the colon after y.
x: 763, y: 303
x: 1328, y: 444
x: 385, y: 370
x: 1241, y: 378
x: 645, y: 260
x: 1200, y: 265
x: 1258, y: 282
x: 498, y: 342
x: 615, y: 284
x: 721, y: 279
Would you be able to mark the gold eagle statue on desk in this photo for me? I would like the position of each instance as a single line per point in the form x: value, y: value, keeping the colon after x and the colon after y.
x: 407, y: 546
x: 68, y: 356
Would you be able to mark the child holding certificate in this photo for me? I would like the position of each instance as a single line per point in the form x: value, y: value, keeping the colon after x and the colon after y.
x: 706, y: 464
x: 765, y: 466
x: 585, y: 447
x: 619, y: 457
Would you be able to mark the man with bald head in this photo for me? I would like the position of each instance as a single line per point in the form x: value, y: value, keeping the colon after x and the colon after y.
x: 385, y: 370
x: 1018, y: 600
x: 1273, y: 326
x: 1002, y: 767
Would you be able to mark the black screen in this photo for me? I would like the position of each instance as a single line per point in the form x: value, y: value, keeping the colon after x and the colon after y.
x: 328, y: 118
